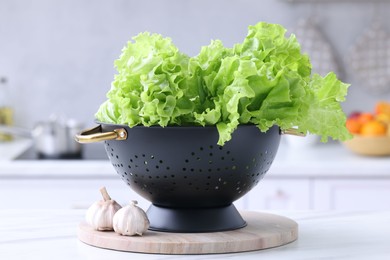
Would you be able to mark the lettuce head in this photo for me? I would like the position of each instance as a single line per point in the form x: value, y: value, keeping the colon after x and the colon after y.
x: 266, y: 80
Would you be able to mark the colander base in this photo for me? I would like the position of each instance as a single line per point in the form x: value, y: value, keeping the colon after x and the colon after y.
x: 194, y: 220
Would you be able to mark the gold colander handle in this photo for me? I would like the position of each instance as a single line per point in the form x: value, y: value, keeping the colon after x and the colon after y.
x: 95, y: 134
x: 292, y: 131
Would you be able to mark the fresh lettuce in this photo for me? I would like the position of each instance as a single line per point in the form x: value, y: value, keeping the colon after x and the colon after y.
x: 265, y: 80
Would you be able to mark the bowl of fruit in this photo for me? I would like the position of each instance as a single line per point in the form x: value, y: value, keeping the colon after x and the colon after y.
x: 371, y: 131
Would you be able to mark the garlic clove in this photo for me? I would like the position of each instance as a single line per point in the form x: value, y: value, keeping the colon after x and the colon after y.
x: 131, y: 220
x: 101, y: 213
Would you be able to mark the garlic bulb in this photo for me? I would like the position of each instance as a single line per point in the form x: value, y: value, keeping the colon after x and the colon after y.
x: 131, y: 220
x: 100, y: 214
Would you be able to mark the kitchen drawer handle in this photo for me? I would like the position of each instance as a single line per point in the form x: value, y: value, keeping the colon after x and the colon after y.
x: 95, y: 134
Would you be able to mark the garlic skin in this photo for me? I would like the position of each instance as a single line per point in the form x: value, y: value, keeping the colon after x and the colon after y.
x: 101, y: 213
x: 131, y: 220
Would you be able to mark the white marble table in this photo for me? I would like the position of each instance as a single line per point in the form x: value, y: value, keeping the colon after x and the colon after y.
x: 52, y: 234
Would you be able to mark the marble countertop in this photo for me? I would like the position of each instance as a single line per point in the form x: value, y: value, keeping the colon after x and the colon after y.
x: 331, y: 160
x: 52, y: 234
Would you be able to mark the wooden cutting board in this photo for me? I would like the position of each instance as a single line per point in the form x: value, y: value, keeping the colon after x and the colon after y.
x: 263, y: 231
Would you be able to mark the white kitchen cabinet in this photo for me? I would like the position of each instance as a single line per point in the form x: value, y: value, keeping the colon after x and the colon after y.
x: 351, y: 194
x: 269, y: 194
x: 280, y: 194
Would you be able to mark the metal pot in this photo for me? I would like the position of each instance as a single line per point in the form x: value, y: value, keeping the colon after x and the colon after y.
x: 53, y: 139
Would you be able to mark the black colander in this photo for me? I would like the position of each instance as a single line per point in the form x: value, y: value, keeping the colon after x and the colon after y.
x: 189, y: 179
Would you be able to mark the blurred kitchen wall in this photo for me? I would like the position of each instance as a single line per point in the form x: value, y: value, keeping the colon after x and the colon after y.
x: 58, y: 54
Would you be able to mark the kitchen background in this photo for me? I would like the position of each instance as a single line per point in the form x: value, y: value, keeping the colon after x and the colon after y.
x: 58, y: 55
x: 58, y: 58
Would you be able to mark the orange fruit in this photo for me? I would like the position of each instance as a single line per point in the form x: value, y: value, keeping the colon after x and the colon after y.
x: 365, y: 117
x: 384, y: 118
x: 382, y: 107
x: 353, y: 125
x: 373, y: 128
